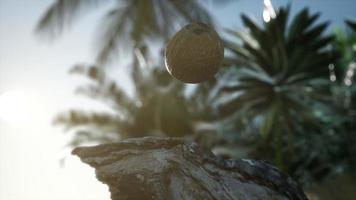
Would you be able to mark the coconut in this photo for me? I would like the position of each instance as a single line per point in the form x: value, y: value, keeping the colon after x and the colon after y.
x: 194, y: 54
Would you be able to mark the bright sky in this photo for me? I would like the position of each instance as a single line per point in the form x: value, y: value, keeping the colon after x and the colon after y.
x: 35, y: 85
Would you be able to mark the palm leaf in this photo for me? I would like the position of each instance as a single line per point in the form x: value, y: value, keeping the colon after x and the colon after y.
x: 62, y: 14
x: 127, y: 25
x: 351, y: 23
x: 114, y: 34
x: 290, y: 55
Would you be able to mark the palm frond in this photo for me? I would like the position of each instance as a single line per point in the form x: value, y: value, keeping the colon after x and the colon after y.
x: 291, y: 55
x: 126, y: 26
x: 78, y: 118
x: 96, y: 136
x: 351, y: 23
x: 191, y: 11
x: 103, y: 89
x: 62, y: 14
x: 115, y: 32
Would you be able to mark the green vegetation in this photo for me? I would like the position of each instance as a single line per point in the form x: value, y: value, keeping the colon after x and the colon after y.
x: 286, y: 93
x: 127, y: 25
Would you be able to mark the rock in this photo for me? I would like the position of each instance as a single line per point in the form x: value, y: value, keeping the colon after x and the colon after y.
x: 154, y: 168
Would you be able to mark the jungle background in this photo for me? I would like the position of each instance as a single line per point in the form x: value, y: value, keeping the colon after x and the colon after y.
x: 285, y: 92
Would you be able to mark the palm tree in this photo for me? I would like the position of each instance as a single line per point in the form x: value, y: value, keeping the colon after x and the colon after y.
x: 344, y: 88
x: 158, y: 107
x: 128, y: 20
x: 277, y: 75
x: 344, y: 43
x: 127, y: 26
x: 279, y: 79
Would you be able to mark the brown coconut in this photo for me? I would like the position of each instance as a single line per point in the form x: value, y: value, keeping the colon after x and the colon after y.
x: 194, y: 54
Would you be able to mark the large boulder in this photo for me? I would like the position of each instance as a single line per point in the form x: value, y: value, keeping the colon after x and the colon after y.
x: 167, y: 168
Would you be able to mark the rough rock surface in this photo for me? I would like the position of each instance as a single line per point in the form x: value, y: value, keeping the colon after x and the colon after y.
x: 172, y: 169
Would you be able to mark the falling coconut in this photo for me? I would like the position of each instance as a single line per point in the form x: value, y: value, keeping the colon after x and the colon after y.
x: 194, y: 54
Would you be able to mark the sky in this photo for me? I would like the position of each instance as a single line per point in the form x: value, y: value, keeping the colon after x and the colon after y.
x: 35, y: 85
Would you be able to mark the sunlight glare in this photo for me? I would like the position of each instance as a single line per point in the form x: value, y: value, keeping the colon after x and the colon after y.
x: 15, y: 107
x: 268, y: 11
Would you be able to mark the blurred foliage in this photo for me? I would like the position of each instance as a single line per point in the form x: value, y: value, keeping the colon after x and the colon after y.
x: 285, y: 69
x: 334, y: 188
x: 281, y: 95
x: 276, y: 100
x: 157, y: 107
x: 129, y: 23
x: 284, y: 73
x: 345, y: 44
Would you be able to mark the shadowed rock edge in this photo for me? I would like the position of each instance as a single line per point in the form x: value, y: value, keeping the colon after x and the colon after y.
x: 171, y: 168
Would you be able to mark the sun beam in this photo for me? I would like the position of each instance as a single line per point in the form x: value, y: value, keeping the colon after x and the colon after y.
x: 15, y: 107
